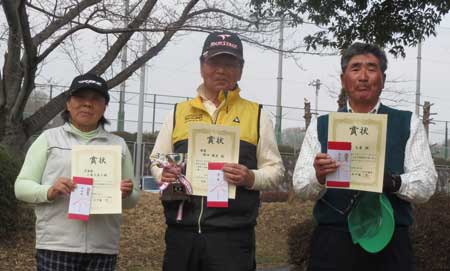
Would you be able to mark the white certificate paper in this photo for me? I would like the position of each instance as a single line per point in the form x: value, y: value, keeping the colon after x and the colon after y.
x: 103, y: 163
x: 210, y: 143
x: 80, y: 199
x: 367, y: 133
x: 217, y: 186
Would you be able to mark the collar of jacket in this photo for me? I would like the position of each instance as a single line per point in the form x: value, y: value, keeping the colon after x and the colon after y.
x: 348, y: 108
x: 101, y: 132
x: 225, y: 98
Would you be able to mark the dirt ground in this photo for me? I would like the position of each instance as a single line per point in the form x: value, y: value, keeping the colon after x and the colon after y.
x: 142, y: 243
x: 430, y: 234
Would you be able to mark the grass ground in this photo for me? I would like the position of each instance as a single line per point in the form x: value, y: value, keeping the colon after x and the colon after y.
x: 142, y: 240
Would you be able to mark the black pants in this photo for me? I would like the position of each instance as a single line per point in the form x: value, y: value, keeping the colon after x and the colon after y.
x: 332, y: 249
x: 226, y: 250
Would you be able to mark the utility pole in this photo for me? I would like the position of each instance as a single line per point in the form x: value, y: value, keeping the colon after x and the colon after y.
x: 51, y: 93
x: 307, y: 115
x: 316, y: 83
x: 426, y: 116
x: 419, y: 61
x: 279, y: 83
x: 121, y: 113
x: 142, y: 85
x: 446, y: 141
x: 154, y: 113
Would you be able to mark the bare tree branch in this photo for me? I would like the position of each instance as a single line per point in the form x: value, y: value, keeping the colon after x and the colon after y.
x: 68, y: 33
x: 72, y: 52
x: 221, y: 11
x: 287, y: 51
x: 49, y: 14
x: 55, y: 8
x: 56, y: 25
x: 58, y: 42
x: 3, y: 33
x: 155, y: 49
x: 197, y: 28
x: 115, y: 49
x: 59, y: 22
x: 33, y: 123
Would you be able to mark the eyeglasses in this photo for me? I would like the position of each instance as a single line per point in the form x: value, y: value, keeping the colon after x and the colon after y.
x: 353, y: 200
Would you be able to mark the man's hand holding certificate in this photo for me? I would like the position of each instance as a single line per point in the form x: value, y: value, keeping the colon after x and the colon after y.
x: 366, y: 134
x: 341, y: 152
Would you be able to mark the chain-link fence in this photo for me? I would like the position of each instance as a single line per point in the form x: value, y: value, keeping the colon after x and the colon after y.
x: 443, y: 179
x: 289, y: 160
x: 157, y: 107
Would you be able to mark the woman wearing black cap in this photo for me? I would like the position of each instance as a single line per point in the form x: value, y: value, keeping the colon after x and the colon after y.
x: 62, y: 243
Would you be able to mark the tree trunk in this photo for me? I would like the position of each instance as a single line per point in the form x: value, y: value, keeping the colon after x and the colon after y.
x: 13, y: 136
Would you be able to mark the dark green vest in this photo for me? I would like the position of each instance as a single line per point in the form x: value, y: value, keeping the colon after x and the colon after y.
x: 398, y: 130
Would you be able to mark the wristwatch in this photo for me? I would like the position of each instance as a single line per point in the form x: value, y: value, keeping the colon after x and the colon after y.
x: 396, y: 182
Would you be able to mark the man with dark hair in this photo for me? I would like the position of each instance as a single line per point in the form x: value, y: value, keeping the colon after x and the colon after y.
x: 410, y: 176
x: 213, y: 239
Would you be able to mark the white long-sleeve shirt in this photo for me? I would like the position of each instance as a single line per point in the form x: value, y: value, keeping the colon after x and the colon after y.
x: 418, y: 180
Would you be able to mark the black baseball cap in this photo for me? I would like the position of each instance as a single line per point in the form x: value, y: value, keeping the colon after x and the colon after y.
x: 89, y: 81
x: 218, y: 43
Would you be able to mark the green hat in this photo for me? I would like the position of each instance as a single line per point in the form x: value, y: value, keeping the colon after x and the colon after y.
x: 371, y: 222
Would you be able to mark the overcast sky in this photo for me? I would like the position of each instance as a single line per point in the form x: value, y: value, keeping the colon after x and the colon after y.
x: 175, y: 71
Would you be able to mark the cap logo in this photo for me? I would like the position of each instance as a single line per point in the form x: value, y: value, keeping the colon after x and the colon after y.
x: 224, y: 36
x: 87, y: 81
x: 223, y: 43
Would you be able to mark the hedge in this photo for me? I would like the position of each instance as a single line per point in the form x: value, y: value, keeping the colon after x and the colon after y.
x: 9, y: 169
x: 430, y: 237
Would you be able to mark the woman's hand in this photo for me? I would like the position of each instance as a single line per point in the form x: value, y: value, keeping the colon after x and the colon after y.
x: 61, y: 187
x: 126, y: 186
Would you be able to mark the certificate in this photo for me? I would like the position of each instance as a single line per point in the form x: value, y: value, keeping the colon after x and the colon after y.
x: 103, y: 163
x: 367, y: 135
x: 210, y: 143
